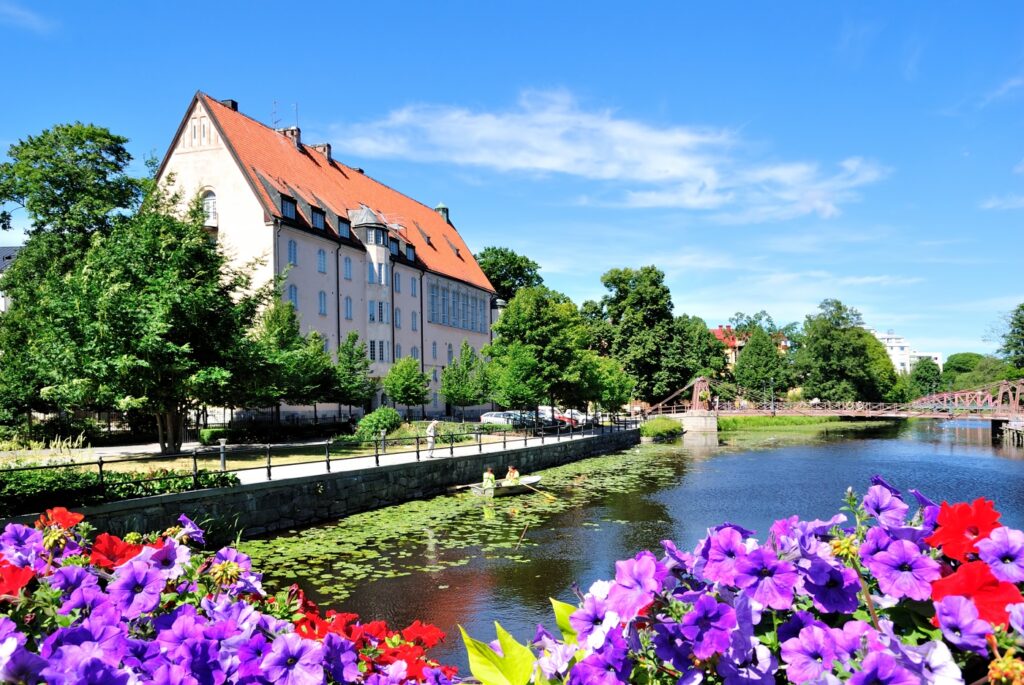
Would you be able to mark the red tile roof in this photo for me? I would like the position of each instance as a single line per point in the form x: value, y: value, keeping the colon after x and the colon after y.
x: 725, y: 334
x: 262, y: 151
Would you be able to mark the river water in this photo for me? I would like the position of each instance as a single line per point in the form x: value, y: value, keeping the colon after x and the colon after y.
x: 456, y: 560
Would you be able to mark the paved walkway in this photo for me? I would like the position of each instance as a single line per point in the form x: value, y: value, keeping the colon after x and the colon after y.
x: 259, y: 475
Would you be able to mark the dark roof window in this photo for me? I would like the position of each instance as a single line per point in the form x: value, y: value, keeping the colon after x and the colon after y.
x: 288, y: 208
x: 393, y: 246
x: 410, y: 253
x: 318, y: 218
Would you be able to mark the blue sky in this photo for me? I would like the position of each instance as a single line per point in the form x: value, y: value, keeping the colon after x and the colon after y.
x: 764, y: 156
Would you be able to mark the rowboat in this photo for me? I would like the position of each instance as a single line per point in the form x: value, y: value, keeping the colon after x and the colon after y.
x: 505, y: 490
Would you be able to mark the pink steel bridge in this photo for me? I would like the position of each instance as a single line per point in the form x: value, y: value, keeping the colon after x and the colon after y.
x: 1000, y: 401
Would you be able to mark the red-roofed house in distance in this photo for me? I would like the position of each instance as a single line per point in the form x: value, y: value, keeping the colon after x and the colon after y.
x: 735, y: 340
x: 355, y: 254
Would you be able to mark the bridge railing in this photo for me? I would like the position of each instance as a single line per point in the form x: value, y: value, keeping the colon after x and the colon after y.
x: 916, y: 408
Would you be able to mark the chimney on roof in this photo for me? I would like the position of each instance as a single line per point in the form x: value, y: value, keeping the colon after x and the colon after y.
x: 292, y: 133
x: 443, y: 211
x: 230, y: 104
x: 324, y: 149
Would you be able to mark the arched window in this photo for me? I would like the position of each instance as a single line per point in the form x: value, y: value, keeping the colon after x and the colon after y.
x: 398, y: 282
x: 433, y: 349
x: 415, y: 321
x: 293, y: 296
x: 348, y: 268
x: 321, y: 261
x: 398, y: 317
x: 322, y: 301
x: 415, y: 352
x: 293, y: 253
x: 451, y: 353
x: 348, y: 308
x: 398, y: 352
x: 210, y: 207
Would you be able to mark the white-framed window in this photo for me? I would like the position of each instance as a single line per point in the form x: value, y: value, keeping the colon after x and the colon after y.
x: 398, y: 282
x: 383, y: 277
x: 398, y: 352
x: 413, y: 286
x: 371, y: 273
x: 415, y: 353
x: 451, y: 353
x: 293, y: 296
x: 348, y: 268
x: 319, y: 219
x: 210, y: 207
x: 321, y: 261
x: 372, y: 311
x: 293, y: 252
x: 433, y: 351
x: 348, y: 308
x: 322, y: 301
x: 288, y: 208
x: 415, y: 321
x: 398, y: 317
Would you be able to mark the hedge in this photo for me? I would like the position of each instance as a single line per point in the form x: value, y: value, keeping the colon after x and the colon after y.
x: 661, y: 428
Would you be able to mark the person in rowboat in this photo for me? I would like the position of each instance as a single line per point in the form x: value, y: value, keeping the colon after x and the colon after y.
x: 489, y: 480
x: 512, y: 477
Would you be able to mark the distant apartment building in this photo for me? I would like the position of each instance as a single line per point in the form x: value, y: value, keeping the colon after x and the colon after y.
x: 734, y: 342
x: 6, y: 257
x: 353, y: 254
x: 901, y: 353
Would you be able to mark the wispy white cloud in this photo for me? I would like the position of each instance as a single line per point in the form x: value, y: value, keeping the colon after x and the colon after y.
x: 1004, y: 89
x: 1018, y: 168
x: 1011, y: 201
x: 13, y: 14
x: 913, y: 50
x: 681, y: 166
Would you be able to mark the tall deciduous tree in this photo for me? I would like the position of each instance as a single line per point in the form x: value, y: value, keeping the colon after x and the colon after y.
x: 615, y: 385
x: 508, y: 271
x: 959, y: 363
x: 464, y: 381
x: 760, y: 366
x: 925, y: 377
x: 515, y: 379
x: 1012, y: 347
x: 834, y: 359
x: 355, y: 385
x: 405, y: 384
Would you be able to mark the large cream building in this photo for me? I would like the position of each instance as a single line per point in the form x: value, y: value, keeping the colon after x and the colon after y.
x: 354, y: 254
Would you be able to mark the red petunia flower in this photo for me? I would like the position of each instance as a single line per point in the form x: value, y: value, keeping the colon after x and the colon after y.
x: 13, y: 579
x: 109, y: 551
x: 961, y: 525
x: 412, y: 655
x: 59, y: 516
x: 428, y: 635
x: 974, y: 580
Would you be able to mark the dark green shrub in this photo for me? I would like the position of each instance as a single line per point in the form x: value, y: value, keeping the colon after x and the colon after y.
x: 383, y: 419
x: 661, y: 428
x: 210, y: 436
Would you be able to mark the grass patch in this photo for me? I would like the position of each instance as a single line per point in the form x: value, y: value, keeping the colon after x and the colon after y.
x: 772, y: 423
x: 661, y: 428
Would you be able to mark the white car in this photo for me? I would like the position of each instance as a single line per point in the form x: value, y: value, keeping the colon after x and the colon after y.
x: 498, y: 417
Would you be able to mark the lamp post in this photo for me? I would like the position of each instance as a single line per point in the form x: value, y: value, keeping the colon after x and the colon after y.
x: 223, y: 454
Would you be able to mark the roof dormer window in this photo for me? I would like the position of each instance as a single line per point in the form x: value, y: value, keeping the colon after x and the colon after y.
x: 319, y: 219
x: 393, y: 246
x: 410, y: 253
x: 288, y: 208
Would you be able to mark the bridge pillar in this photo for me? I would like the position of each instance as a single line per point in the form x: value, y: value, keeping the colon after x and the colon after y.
x: 700, y: 421
x: 999, y: 428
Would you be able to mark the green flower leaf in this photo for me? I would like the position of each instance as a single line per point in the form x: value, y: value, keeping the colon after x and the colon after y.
x: 562, y: 613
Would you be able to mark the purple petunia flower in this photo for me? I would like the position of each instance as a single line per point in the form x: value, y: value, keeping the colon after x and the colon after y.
x: 903, y: 571
x: 832, y: 588
x: 636, y: 581
x: 671, y: 645
x: 932, y: 662
x: 341, y: 658
x: 593, y: 621
x: 809, y: 654
x: 725, y: 549
x: 676, y: 557
x: 170, y: 559
x: 22, y: 546
x: 173, y: 674
x: 293, y: 660
x: 881, y: 668
x: 707, y: 625
x: 929, y: 511
x: 797, y: 622
x: 886, y: 506
x: 1017, y: 617
x: 958, y: 618
x: 766, y: 579
x: 1003, y: 551
x: 609, y: 666
x: 751, y: 663
x: 21, y: 666
x: 190, y: 531
x: 136, y: 588
x: 231, y: 554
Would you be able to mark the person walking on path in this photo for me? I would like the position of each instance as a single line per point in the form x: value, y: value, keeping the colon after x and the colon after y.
x: 431, y: 435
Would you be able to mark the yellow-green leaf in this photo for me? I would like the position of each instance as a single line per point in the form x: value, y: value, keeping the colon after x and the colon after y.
x: 484, y: 662
x: 562, y: 613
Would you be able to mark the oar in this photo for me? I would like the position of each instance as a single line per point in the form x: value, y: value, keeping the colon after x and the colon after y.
x: 546, y: 494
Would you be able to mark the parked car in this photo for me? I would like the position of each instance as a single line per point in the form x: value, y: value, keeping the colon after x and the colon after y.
x: 504, y: 418
x: 582, y: 419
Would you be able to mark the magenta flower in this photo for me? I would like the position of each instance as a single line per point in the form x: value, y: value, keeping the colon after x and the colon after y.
x: 190, y: 531
x: 725, y: 549
x: 903, y: 571
x: 708, y: 625
x: 809, y: 654
x: 293, y: 660
x: 766, y: 579
x: 609, y: 666
x: 636, y: 581
x: 593, y: 621
x: 958, y: 618
x: 886, y: 506
x: 136, y: 588
x: 881, y: 668
x: 170, y: 559
x: 1003, y: 551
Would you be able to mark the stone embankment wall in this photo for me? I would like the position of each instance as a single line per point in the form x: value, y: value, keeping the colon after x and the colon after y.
x: 262, y: 508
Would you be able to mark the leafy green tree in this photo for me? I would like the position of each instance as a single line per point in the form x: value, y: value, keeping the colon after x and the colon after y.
x: 1013, y: 339
x: 834, y: 360
x: 464, y: 381
x: 959, y: 363
x: 988, y: 370
x: 616, y: 386
x: 901, y: 391
x: 745, y: 325
x: 515, y: 379
x: 354, y: 383
x: 760, y: 367
x: 599, y: 329
x: 405, y: 384
x: 881, y: 372
x: 508, y: 271
x: 925, y: 377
